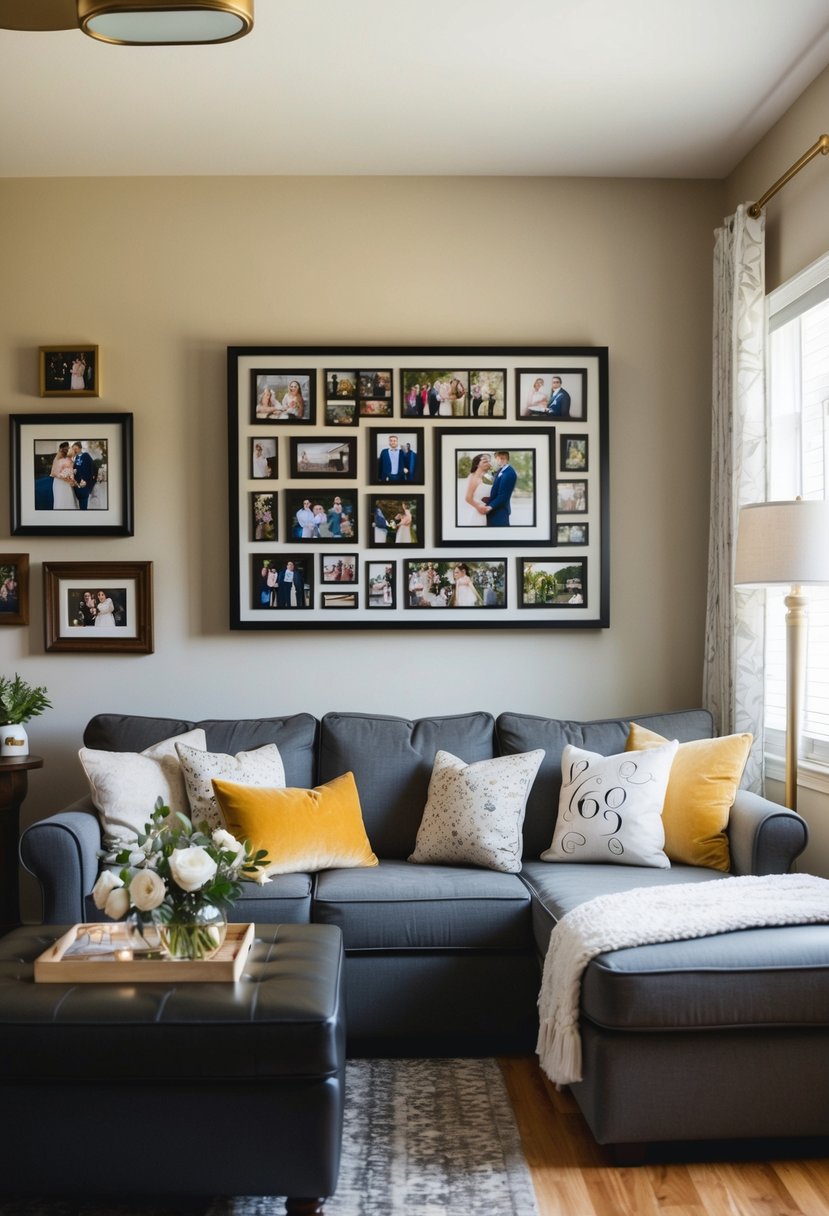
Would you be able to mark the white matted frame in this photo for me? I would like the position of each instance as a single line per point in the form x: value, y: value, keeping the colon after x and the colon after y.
x: 538, y: 525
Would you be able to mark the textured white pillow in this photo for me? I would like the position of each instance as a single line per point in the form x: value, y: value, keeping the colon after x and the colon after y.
x: 124, y: 787
x: 475, y: 812
x: 262, y: 766
x: 610, y: 807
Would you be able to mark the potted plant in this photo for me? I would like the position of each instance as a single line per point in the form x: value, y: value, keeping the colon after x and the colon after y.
x: 19, y: 702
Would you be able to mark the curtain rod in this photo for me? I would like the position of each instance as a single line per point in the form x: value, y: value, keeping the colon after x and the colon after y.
x: 822, y: 145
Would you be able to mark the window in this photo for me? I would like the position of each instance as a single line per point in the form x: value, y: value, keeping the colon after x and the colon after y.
x: 798, y: 458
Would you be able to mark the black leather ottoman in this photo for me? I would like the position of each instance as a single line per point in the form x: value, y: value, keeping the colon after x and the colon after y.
x: 164, y: 1089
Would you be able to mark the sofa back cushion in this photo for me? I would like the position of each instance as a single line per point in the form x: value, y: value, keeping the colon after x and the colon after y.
x: 524, y: 732
x: 392, y: 759
x: 295, y: 736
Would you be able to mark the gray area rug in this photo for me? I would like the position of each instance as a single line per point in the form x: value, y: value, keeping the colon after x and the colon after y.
x: 422, y: 1138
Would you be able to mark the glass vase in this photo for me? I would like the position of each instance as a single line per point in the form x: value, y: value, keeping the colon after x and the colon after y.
x: 197, y: 936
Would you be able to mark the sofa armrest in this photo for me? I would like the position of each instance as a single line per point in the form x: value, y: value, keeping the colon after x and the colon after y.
x: 62, y: 853
x: 763, y: 836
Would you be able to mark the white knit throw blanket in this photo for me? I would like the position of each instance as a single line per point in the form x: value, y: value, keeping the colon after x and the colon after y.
x: 656, y: 914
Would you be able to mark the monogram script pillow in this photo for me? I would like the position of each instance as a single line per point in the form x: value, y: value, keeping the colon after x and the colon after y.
x: 610, y: 807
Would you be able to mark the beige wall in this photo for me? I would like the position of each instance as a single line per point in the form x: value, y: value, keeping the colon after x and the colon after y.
x: 164, y: 274
x: 797, y: 233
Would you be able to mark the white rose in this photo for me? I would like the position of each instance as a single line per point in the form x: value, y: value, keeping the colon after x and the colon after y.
x: 192, y: 868
x: 107, y: 882
x: 147, y: 890
x: 118, y: 903
x: 229, y: 844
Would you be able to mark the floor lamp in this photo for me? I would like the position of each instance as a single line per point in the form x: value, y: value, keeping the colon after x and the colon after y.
x: 786, y: 542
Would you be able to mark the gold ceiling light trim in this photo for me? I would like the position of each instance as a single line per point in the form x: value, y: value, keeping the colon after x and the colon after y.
x: 40, y: 15
x: 165, y: 22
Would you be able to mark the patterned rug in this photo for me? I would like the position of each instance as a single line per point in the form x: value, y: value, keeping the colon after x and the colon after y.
x: 422, y: 1138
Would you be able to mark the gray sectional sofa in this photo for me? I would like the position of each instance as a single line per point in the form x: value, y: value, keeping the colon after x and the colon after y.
x: 719, y: 1037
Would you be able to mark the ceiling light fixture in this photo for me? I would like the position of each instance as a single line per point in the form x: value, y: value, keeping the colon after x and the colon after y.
x: 135, y: 22
x: 170, y: 22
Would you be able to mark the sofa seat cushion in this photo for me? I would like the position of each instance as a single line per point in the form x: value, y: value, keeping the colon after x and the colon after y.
x: 401, y: 906
x: 559, y: 887
x: 286, y: 899
x: 392, y: 760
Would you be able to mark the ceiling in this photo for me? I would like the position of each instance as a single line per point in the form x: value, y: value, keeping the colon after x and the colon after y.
x: 644, y: 88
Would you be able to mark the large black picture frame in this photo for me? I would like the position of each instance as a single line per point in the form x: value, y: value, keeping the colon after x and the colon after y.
x: 443, y: 459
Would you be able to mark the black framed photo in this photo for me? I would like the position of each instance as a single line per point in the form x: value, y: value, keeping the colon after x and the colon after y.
x: 572, y: 534
x: 571, y: 497
x: 338, y: 567
x: 574, y: 452
x: 460, y: 583
x: 552, y: 584
x: 264, y: 514
x: 328, y: 497
x: 320, y: 514
x: 281, y: 582
x: 14, y: 588
x: 69, y: 371
x: 71, y: 474
x: 283, y: 396
x: 493, y: 487
x: 98, y: 607
x: 264, y: 460
x: 396, y: 519
x: 397, y: 457
x: 332, y: 458
x: 381, y: 584
x: 551, y: 394
x: 340, y: 600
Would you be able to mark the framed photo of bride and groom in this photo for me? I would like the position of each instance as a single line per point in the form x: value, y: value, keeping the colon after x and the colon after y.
x: 510, y: 506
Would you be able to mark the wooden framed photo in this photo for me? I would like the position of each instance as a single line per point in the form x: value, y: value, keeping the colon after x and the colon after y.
x: 338, y: 567
x: 552, y: 584
x: 332, y: 458
x: 98, y: 607
x: 264, y: 458
x: 70, y: 371
x: 381, y: 584
x: 460, y: 583
x: 320, y: 515
x: 412, y: 448
x: 551, y: 394
x: 71, y: 474
x: 396, y: 458
x: 283, y: 396
x: 396, y: 519
x: 14, y: 588
x: 493, y: 487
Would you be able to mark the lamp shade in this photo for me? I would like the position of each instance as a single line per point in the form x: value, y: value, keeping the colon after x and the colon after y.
x: 783, y: 542
x: 170, y: 22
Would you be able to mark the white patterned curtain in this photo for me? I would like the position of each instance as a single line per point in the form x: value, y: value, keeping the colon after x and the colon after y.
x: 734, y: 627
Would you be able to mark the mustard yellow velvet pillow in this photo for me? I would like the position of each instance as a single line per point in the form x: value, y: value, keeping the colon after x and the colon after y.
x: 302, y: 830
x: 702, y: 786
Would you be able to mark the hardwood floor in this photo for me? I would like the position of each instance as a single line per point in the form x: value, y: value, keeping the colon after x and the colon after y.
x: 574, y: 1176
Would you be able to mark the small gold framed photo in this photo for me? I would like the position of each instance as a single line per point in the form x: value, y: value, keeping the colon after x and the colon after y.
x: 70, y: 371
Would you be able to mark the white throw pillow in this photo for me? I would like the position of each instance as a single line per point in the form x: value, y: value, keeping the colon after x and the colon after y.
x: 475, y: 812
x: 262, y: 766
x: 124, y: 787
x: 610, y: 807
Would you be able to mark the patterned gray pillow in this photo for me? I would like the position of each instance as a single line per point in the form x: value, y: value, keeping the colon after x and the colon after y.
x: 475, y: 812
x: 262, y: 766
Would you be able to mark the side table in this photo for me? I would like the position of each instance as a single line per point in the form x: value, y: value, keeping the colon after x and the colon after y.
x: 14, y: 781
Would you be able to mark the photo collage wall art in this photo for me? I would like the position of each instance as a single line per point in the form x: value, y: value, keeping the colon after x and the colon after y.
x: 402, y: 487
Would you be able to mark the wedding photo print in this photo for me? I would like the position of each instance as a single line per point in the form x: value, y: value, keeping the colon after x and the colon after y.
x: 263, y: 459
x: 381, y: 584
x: 69, y: 371
x: 283, y: 580
x: 283, y: 396
x: 453, y: 393
x: 396, y: 457
x: 396, y: 521
x: 71, y: 474
x: 546, y: 584
x: 550, y: 395
x: 352, y: 394
x: 494, y: 488
x: 98, y: 607
x: 460, y: 583
x: 320, y: 514
x: 14, y: 588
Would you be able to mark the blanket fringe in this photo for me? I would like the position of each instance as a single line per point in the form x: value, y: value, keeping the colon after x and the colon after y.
x: 559, y: 1052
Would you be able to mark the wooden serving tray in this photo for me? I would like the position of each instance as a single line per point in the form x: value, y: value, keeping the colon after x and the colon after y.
x: 104, y: 953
